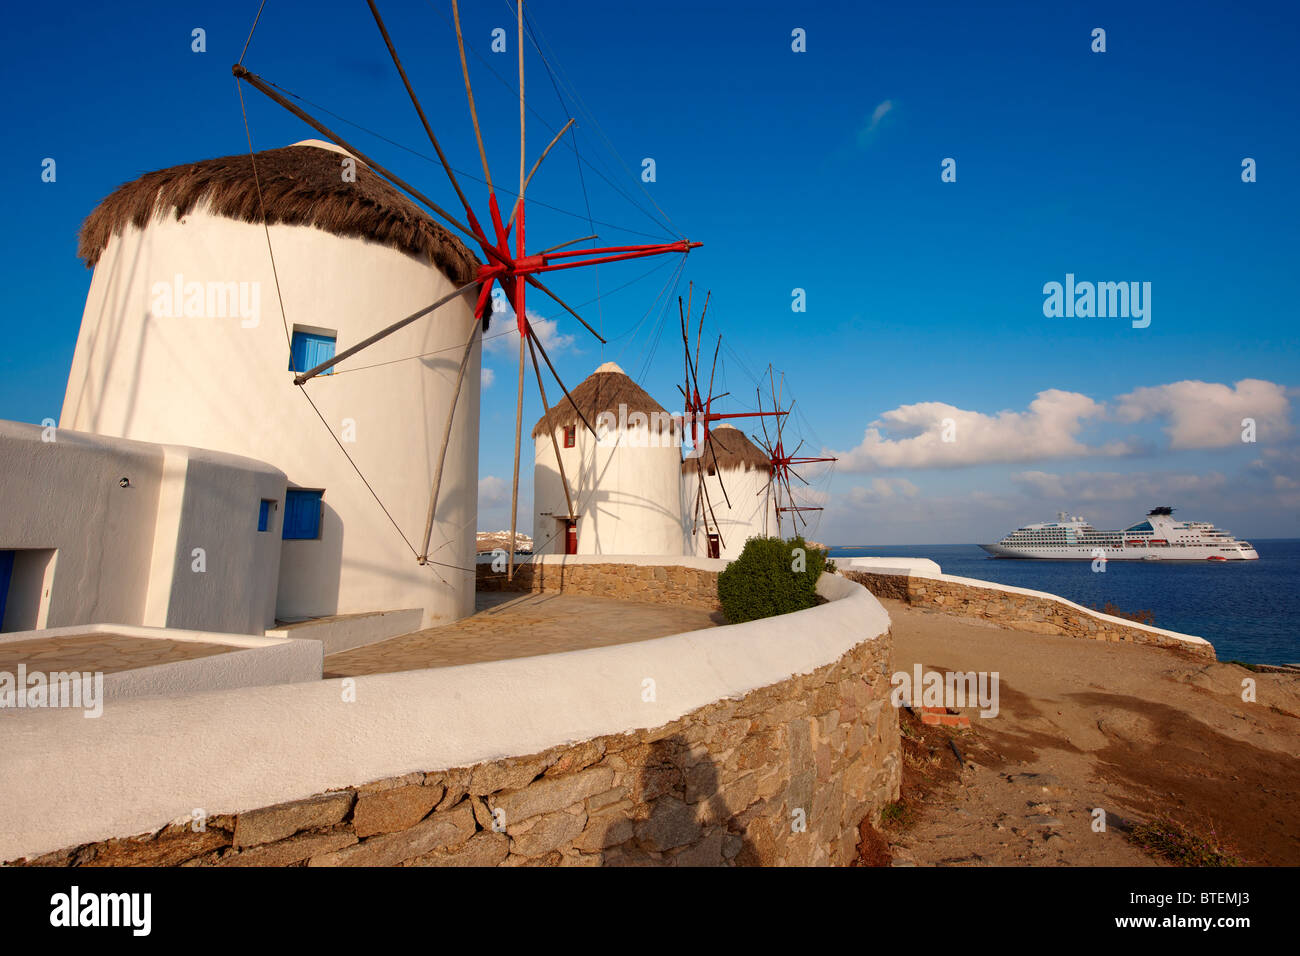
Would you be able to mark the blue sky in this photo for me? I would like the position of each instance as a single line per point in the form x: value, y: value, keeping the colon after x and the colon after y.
x: 817, y: 170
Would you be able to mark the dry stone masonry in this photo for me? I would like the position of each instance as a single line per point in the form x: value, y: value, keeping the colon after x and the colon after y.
x: 1020, y: 612
x: 781, y: 776
x: 688, y: 587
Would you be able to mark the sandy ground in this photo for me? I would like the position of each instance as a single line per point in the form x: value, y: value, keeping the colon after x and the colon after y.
x: 1138, y: 732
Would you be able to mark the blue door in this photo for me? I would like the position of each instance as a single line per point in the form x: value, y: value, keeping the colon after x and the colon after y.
x: 302, y: 514
x: 6, y: 571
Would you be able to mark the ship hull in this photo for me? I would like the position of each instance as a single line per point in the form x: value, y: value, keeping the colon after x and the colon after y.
x: 1155, y: 553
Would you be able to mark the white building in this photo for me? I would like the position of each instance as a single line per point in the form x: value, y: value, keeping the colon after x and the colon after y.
x: 184, y: 342
x: 99, y: 530
x: 739, y: 503
x: 624, y: 482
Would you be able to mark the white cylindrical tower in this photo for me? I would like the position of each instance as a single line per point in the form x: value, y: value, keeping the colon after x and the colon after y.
x: 624, y: 482
x: 198, y: 316
x: 745, y: 473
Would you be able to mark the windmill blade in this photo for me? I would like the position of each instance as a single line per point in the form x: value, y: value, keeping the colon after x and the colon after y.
x: 523, y: 180
x: 717, y: 472
x: 537, y: 284
x: 257, y: 83
x: 699, y: 335
x: 523, y: 187
x: 569, y: 243
x: 521, y: 289
x: 762, y: 420
x: 709, y: 505
x: 714, y: 370
x: 519, y: 419
x: 686, y: 355
x: 415, y: 101
x: 423, y: 557
x: 686, y: 344
x: 785, y: 483
x: 556, y: 375
x: 555, y: 443
x: 473, y: 115
x: 699, y: 502
x: 381, y: 334
x: 690, y: 298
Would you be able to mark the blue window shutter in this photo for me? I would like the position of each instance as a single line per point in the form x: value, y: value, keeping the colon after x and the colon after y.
x: 309, y: 350
x: 302, y: 514
x: 264, y: 516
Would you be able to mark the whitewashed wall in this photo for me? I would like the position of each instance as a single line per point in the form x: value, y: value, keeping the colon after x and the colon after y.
x: 224, y: 383
x: 125, y: 555
x: 750, y: 514
x: 628, y: 499
x: 239, y: 749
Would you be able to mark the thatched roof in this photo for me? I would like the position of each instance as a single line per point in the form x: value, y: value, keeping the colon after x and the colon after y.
x: 301, y: 185
x: 734, y: 451
x: 602, y: 391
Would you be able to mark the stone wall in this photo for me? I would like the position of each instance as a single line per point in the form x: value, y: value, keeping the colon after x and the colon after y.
x: 1019, y: 612
x: 670, y: 584
x: 780, y: 776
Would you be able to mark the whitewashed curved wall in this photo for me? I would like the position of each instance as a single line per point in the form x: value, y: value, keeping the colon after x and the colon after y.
x: 235, y: 750
x: 751, y: 513
x: 224, y: 383
x: 628, y: 498
x: 126, y: 555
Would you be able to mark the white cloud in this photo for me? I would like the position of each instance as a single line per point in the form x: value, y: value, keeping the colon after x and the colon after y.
x: 1069, y: 490
x: 1208, y: 414
x: 487, y: 377
x: 507, y: 344
x: 1195, y: 415
x: 877, y: 116
x: 493, y: 492
x: 810, y: 497
x: 1047, y: 429
x: 882, y: 489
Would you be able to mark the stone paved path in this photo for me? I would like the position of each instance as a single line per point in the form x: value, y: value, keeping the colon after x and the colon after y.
x: 522, y: 625
x: 106, y: 653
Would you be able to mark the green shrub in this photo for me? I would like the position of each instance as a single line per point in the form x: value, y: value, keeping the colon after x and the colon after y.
x: 763, y: 581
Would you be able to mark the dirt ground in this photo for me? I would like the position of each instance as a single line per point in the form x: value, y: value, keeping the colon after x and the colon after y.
x: 1142, y: 733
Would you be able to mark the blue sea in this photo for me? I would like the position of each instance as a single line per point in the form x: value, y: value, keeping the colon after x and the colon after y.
x: 1249, y: 610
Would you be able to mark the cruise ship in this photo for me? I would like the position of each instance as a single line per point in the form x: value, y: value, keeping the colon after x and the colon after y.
x: 1159, y: 537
